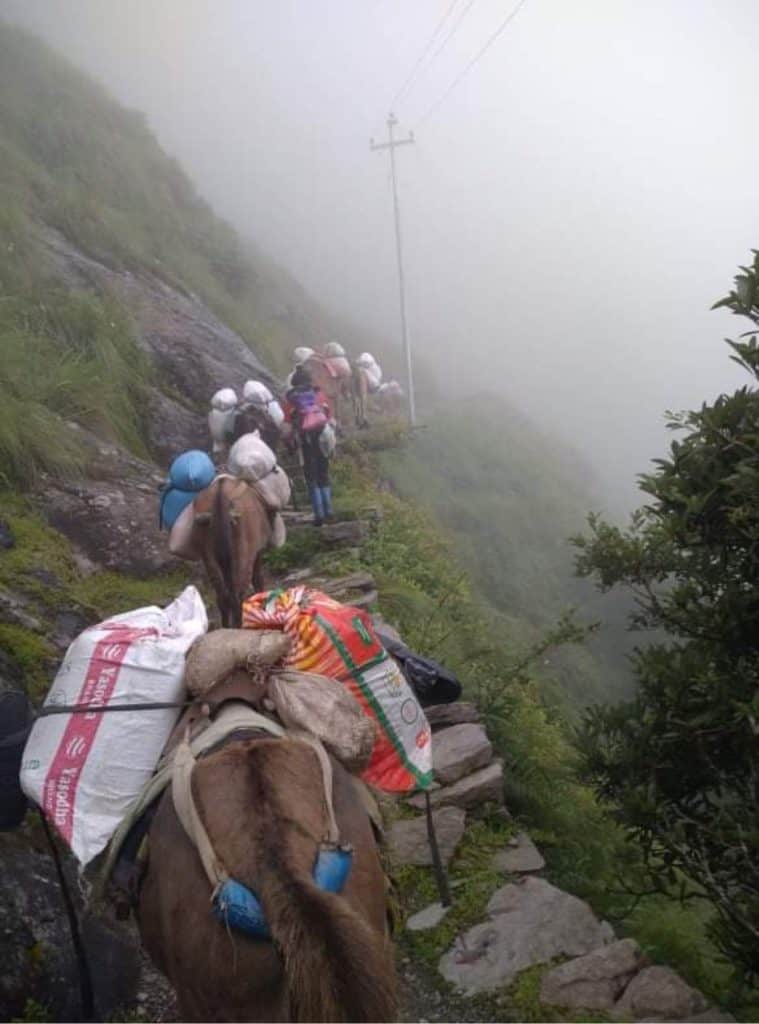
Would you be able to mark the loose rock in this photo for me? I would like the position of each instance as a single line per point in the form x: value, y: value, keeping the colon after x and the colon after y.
x: 458, y: 751
x: 594, y: 981
x: 483, y: 786
x: 430, y: 917
x: 531, y: 922
x: 408, y: 839
x: 520, y: 856
x: 659, y: 992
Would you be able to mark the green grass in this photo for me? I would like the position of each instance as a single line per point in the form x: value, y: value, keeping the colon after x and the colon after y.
x: 73, y: 357
x: 471, y: 866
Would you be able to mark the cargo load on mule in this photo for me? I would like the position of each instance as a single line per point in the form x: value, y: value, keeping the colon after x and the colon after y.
x: 84, y: 768
x: 251, y: 460
x: 340, y: 642
x: 221, y: 418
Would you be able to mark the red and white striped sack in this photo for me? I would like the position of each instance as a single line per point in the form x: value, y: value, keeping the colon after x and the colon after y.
x: 84, y: 770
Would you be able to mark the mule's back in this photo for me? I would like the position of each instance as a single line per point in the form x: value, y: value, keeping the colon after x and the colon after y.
x: 261, y: 801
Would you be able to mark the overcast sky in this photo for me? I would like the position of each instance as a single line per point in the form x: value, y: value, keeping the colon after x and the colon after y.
x: 570, y: 209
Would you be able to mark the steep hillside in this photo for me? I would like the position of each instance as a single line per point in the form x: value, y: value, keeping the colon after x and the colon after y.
x: 124, y: 302
x: 510, y: 497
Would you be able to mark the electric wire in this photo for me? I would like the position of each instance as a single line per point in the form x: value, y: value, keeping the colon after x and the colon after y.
x: 478, y: 56
x: 422, y: 57
x: 454, y: 30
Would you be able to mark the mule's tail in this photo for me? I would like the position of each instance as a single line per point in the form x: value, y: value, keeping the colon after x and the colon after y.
x: 223, y: 547
x: 337, y: 967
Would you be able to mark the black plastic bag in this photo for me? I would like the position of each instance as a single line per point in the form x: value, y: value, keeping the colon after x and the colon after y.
x: 432, y: 682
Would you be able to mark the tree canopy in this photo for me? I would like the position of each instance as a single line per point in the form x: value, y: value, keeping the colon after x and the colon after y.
x: 681, y: 760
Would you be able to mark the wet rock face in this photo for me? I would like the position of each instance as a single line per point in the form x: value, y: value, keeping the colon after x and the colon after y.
x: 112, y: 514
x: 172, y: 428
x: 191, y: 348
x: 37, y: 958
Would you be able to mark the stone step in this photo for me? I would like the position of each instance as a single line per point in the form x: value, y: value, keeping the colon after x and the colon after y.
x: 408, y: 840
x: 482, y: 786
x: 520, y: 856
x: 458, y: 751
x: 442, y: 716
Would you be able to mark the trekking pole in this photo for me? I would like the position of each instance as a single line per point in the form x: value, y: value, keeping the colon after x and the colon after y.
x: 440, y: 876
x: 86, y: 994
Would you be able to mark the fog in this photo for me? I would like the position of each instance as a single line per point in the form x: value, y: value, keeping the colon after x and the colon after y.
x: 571, y: 209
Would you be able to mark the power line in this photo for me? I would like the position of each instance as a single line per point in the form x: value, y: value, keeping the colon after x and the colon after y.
x: 506, y: 21
x: 421, y: 58
x: 454, y: 29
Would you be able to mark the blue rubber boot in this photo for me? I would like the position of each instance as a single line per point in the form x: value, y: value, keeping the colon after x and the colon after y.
x: 317, y: 505
x: 326, y: 493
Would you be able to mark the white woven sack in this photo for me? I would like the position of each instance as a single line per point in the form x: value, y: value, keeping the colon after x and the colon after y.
x: 250, y: 458
x: 334, y: 348
x: 276, y: 415
x: 220, y: 424
x: 224, y: 399
x: 302, y: 354
x: 84, y: 770
x: 256, y: 393
x: 275, y: 490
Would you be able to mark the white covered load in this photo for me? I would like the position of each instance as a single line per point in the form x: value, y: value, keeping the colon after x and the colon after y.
x: 250, y: 458
x: 84, y: 770
x: 221, y: 418
x: 372, y: 369
x: 256, y: 393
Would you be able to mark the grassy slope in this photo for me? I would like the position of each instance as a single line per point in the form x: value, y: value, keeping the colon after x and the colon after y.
x: 510, y: 498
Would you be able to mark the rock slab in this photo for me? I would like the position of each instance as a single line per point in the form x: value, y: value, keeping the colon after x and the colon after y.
x: 482, y: 786
x: 595, y: 981
x: 443, y: 716
x: 408, y: 839
x: 659, y: 992
x: 428, y: 918
x: 531, y: 922
x: 458, y: 751
x: 520, y: 856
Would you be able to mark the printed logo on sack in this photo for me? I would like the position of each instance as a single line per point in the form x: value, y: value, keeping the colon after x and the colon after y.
x: 59, y: 794
x: 423, y: 737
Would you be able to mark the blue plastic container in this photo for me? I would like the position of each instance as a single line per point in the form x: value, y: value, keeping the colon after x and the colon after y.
x: 192, y: 471
x: 173, y: 504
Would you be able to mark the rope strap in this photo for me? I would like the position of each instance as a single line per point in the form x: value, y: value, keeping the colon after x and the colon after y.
x: 187, y: 811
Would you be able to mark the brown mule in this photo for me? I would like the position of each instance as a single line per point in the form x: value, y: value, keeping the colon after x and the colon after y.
x: 261, y: 801
x: 360, y: 386
x: 236, y: 530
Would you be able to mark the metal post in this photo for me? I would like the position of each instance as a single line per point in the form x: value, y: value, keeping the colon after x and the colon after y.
x: 391, y: 145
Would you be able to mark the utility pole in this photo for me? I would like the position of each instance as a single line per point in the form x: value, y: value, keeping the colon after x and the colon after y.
x: 391, y: 145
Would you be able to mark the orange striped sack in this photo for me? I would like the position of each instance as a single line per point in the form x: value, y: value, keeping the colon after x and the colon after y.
x: 338, y: 641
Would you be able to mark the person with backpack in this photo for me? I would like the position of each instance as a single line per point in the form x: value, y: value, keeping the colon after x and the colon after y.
x: 308, y: 411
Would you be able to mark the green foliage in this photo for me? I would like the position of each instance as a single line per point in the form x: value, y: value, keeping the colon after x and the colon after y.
x: 681, y: 760
x: 34, y: 1013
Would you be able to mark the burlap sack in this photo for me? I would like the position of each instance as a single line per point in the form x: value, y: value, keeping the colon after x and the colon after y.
x: 323, y: 707
x: 216, y: 655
